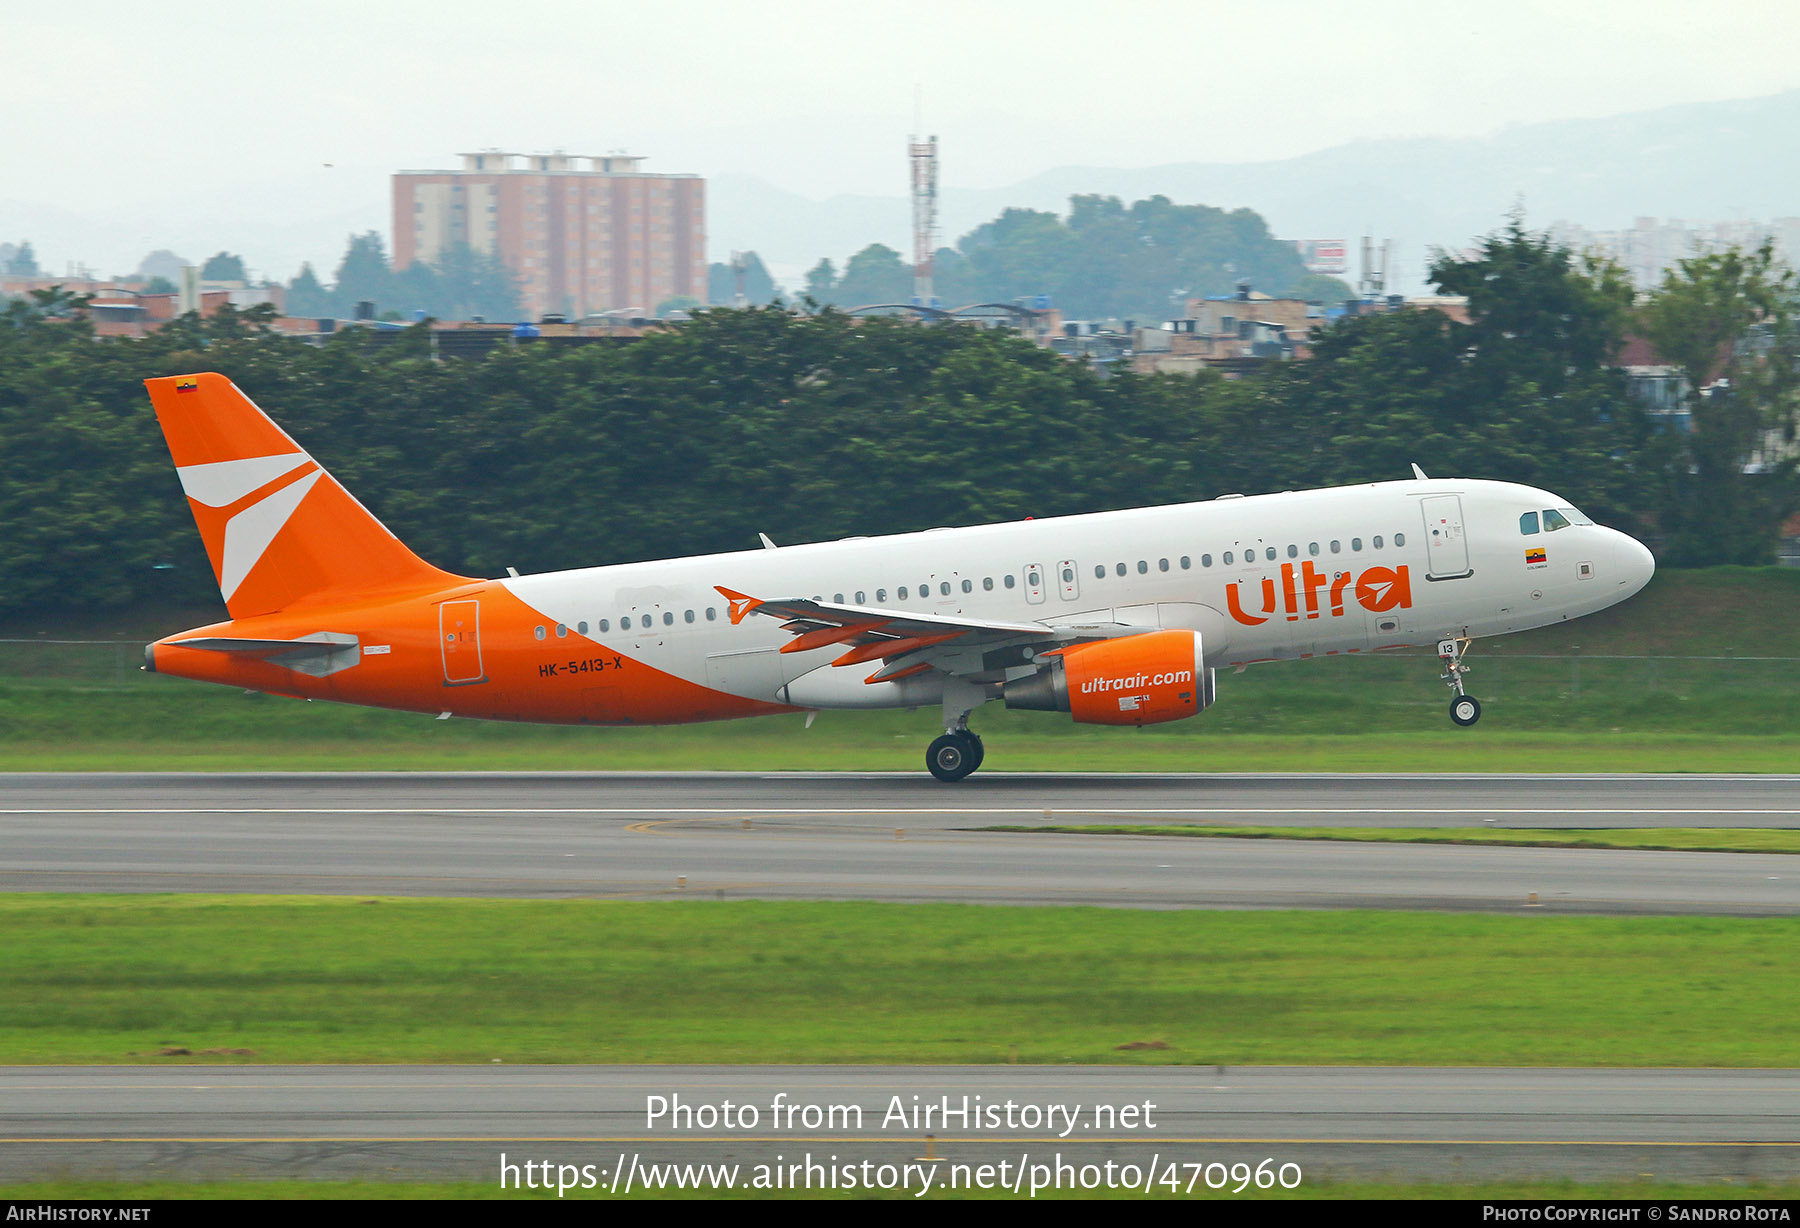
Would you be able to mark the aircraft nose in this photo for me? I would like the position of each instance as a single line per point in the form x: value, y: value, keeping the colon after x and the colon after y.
x: 1633, y: 563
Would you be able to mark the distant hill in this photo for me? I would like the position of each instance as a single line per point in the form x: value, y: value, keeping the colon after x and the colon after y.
x: 1702, y: 161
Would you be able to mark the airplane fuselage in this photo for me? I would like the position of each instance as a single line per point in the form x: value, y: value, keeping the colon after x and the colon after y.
x: 1264, y: 578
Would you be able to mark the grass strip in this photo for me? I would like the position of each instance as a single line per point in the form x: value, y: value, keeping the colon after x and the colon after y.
x: 284, y: 1190
x: 1680, y: 839
x: 121, y: 979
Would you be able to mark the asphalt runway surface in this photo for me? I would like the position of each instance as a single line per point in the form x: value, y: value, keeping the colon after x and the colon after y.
x: 1335, y: 1122
x: 889, y: 837
x: 892, y: 837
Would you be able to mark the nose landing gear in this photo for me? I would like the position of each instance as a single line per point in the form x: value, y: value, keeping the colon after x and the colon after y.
x: 1465, y: 709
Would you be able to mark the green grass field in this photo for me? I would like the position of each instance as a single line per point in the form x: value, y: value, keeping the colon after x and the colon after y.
x: 1679, y: 839
x: 119, y: 979
x: 1666, y: 682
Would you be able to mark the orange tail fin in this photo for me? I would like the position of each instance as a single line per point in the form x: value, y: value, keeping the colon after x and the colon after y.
x: 278, y: 529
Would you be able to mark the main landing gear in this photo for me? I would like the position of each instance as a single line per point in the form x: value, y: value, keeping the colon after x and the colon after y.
x: 959, y: 751
x: 1465, y: 709
x: 954, y: 755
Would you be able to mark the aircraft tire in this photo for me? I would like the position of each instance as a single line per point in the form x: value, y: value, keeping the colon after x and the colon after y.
x: 980, y: 750
x: 1465, y: 710
x: 950, y: 758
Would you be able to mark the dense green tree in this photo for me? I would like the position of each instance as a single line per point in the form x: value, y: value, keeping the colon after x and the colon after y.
x: 363, y: 274
x: 463, y: 284
x: 23, y: 262
x: 721, y: 283
x: 1728, y: 321
x: 821, y: 282
x: 223, y: 266
x: 876, y: 274
x: 806, y: 426
x: 1108, y: 259
x: 305, y: 296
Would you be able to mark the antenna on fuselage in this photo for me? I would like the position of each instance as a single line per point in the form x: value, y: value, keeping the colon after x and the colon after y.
x: 1419, y: 473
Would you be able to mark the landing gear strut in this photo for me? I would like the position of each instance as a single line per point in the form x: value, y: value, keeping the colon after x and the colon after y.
x: 1465, y: 709
x: 959, y: 751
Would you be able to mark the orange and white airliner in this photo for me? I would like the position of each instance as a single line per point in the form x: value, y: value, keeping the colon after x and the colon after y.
x: 1116, y: 618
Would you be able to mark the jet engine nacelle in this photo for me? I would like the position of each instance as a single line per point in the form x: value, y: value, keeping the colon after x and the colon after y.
x: 1138, y: 680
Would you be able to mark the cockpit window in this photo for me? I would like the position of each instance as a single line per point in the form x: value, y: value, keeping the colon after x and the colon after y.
x: 1574, y: 515
x: 1554, y: 520
x: 1528, y: 523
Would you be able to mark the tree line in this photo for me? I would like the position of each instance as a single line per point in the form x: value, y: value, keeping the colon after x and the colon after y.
x: 817, y: 426
x: 1106, y: 260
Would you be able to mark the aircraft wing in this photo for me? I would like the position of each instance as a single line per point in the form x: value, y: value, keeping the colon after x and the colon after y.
x: 910, y: 642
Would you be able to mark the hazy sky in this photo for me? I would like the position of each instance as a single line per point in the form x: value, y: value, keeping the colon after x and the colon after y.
x: 250, y: 118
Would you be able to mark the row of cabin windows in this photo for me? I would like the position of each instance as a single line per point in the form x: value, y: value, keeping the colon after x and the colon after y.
x: 1270, y: 554
x: 1033, y: 578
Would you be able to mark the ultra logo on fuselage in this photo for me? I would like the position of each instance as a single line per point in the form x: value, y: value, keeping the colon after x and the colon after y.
x: 1377, y: 589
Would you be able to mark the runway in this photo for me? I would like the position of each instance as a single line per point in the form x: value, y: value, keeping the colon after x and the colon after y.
x: 893, y: 837
x: 888, y: 837
x: 1342, y: 1122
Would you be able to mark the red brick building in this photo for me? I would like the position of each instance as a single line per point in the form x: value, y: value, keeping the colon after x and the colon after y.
x: 584, y: 235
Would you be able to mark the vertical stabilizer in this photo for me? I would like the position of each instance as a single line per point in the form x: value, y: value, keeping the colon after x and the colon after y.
x: 278, y: 529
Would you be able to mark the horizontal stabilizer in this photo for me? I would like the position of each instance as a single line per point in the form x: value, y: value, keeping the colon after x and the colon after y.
x: 322, y: 653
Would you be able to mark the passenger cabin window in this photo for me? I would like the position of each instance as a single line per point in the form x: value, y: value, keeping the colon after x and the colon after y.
x: 1312, y: 548
x: 581, y: 627
x: 668, y: 618
x: 1162, y: 564
x: 1010, y: 581
x: 1293, y: 552
x: 711, y: 614
x: 561, y: 631
x: 859, y: 596
x: 688, y: 617
x: 1377, y: 542
x: 1143, y: 568
x: 1271, y: 554
x: 1355, y: 544
x: 1554, y: 520
x: 1121, y: 569
x: 1337, y: 547
x: 903, y: 592
x: 1528, y: 524
x: 944, y: 589
x: 987, y: 584
x: 1206, y: 560
x: 968, y: 587
x: 881, y: 596
x: 1186, y: 563
x: 1399, y: 539
x: 606, y: 624
x: 1228, y: 558
x: 1099, y: 571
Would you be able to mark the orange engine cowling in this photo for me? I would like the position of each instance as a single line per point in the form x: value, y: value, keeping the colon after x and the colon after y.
x: 1139, y: 680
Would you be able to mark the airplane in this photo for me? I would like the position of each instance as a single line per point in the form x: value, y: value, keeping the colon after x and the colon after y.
x: 1114, y: 618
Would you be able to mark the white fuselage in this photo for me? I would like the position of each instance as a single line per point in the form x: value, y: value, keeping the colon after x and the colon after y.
x: 1263, y: 578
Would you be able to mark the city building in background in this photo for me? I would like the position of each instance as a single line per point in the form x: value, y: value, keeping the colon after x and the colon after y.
x: 585, y: 235
x: 1648, y: 248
